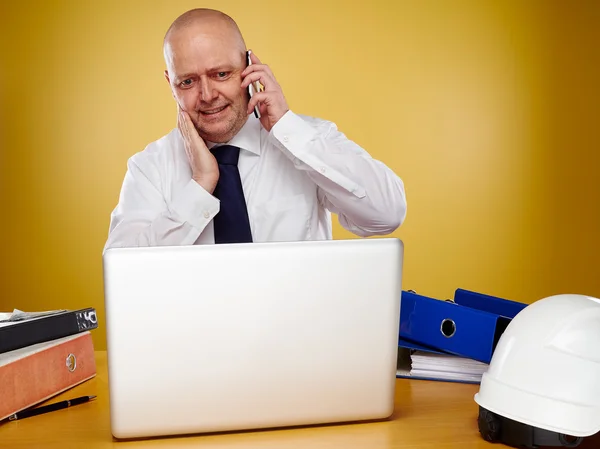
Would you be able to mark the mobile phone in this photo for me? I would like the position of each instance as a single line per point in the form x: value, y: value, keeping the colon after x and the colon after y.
x: 252, y: 87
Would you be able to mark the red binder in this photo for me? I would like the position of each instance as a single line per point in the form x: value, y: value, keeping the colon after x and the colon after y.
x: 35, y: 373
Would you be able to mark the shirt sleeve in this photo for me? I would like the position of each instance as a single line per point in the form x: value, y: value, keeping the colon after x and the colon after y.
x: 367, y: 196
x: 143, y: 217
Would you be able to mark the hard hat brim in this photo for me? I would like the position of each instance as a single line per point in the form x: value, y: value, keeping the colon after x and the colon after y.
x: 578, y: 420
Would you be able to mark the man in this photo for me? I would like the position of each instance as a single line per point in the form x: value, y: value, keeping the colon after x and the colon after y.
x: 224, y: 175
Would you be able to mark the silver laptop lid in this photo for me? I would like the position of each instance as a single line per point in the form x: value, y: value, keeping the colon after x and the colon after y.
x: 242, y: 336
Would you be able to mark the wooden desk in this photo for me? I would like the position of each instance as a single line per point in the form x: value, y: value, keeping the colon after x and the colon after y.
x: 429, y: 415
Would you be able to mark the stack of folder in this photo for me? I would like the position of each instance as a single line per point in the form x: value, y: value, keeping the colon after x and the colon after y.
x: 43, y: 354
x: 451, y: 340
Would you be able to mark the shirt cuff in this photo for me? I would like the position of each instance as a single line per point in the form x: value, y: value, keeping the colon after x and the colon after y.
x: 292, y: 135
x: 195, y: 205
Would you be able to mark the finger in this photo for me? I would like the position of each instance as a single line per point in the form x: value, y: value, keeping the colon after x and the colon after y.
x: 258, y: 68
x: 254, y: 58
x: 180, y: 123
x: 256, y: 64
x: 186, y: 118
x: 183, y: 125
x: 251, y: 68
x: 192, y: 134
x: 184, y: 134
x: 189, y: 126
x: 251, y: 77
x: 263, y: 77
x: 188, y: 129
x: 262, y: 97
x: 179, y: 113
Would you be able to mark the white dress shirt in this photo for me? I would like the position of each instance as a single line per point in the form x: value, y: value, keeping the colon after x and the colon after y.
x: 293, y: 178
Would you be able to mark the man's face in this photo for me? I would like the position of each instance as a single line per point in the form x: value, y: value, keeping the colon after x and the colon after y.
x: 204, y: 71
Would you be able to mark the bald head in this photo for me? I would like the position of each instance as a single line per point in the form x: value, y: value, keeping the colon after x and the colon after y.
x: 205, y: 22
x: 205, y: 55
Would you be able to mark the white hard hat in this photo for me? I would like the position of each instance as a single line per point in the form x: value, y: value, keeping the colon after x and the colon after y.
x: 542, y: 387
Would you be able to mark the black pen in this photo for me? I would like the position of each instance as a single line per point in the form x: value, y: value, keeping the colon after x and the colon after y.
x: 50, y: 408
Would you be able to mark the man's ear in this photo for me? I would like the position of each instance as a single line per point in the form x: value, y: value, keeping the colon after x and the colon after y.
x: 169, y: 83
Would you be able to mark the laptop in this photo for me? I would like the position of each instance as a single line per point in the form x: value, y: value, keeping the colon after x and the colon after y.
x: 234, y: 337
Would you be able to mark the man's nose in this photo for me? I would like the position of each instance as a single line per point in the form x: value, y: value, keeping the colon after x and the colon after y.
x: 207, y: 91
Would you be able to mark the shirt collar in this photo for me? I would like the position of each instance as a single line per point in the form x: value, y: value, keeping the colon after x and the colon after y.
x: 247, y: 138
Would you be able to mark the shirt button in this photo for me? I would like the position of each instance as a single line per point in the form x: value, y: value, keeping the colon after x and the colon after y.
x: 206, y: 214
x: 286, y: 138
x: 323, y: 170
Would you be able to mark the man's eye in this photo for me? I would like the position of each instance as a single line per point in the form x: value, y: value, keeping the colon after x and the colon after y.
x: 222, y: 74
x: 186, y: 82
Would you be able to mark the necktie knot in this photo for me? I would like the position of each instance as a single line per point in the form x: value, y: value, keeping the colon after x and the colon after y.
x: 226, y: 154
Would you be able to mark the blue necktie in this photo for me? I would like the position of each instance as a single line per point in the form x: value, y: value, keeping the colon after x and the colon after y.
x: 231, y: 224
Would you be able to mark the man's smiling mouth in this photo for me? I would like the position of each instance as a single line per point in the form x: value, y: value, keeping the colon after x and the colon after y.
x: 213, y: 111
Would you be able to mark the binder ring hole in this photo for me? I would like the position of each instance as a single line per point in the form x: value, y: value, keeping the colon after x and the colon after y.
x: 71, y: 362
x: 448, y: 328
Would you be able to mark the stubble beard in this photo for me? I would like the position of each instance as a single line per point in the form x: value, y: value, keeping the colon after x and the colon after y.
x: 234, y: 124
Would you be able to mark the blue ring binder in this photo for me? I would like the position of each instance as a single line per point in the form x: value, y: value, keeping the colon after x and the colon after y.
x: 478, y: 321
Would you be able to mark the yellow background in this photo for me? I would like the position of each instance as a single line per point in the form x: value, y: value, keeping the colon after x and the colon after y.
x: 488, y: 110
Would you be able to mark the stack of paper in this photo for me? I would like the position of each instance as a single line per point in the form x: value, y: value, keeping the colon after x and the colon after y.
x: 446, y: 366
x: 416, y: 361
x: 19, y: 315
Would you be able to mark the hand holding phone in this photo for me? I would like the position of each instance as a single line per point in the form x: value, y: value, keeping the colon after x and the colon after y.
x: 266, y: 98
